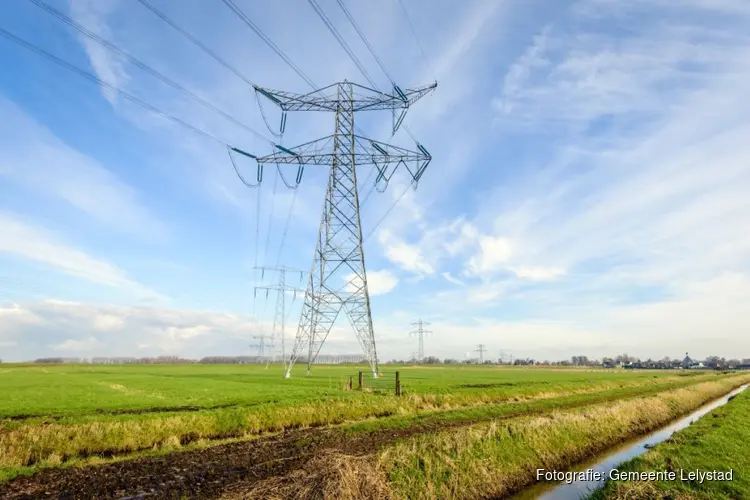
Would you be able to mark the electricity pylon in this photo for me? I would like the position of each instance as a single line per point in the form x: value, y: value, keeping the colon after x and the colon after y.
x: 281, y: 290
x: 338, y: 253
x: 261, y: 345
x: 481, y: 350
x: 420, y: 331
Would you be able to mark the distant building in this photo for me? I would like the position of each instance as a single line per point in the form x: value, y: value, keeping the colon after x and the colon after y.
x: 687, y: 362
x: 743, y: 366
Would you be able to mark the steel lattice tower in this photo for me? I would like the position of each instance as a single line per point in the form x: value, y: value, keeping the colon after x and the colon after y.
x: 338, y: 278
x: 481, y: 349
x: 261, y: 345
x: 279, y: 316
x: 420, y: 331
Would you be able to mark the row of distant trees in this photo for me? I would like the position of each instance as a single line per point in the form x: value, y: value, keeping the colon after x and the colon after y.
x: 211, y: 360
x: 714, y: 362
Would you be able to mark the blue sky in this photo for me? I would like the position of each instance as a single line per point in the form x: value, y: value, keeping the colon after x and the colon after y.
x: 588, y: 192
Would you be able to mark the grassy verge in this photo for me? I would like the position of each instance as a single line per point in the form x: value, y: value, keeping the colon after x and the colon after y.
x: 717, y: 442
x: 540, y: 404
x: 53, y: 442
x: 497, y: 458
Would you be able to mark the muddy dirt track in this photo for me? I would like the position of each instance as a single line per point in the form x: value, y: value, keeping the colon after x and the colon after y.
x: 214, y: 471
x: 205, y: 473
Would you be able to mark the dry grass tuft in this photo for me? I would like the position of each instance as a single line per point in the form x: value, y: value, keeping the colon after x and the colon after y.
x: 642, y: 490
x: 497, y: 458
x: 333, y: 475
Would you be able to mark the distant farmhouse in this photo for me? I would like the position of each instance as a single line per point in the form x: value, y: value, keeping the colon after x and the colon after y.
x: 688, y: 363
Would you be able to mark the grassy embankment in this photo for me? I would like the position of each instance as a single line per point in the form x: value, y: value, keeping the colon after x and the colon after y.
x: 52, y: 415
x: 496, y: 458
x: 716, y: 442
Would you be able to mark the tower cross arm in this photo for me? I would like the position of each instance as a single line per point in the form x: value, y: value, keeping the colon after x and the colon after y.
x: 280, y: 288
x: 385, y: 157
x: 364, y: 98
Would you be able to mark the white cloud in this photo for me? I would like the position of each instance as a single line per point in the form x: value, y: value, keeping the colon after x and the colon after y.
x: 627, y: 184
x: 454, y: 85
x: 24, y: 240
x: 107, y: 322
x: 448, y: 277
x: 492, y: 255
x: 378, y: 282
x: 538, y: 273
x: 33, y: 157
x: 381, y: 282
x: 408, y: 257
x: 92, y: 14
x: 484, y: 294
x: 75, y: 328
x: 80, y: 346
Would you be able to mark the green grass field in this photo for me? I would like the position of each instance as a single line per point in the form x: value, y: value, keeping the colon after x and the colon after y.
x: 53, y: 415
x: 717, y: 442
x: 78, y: 389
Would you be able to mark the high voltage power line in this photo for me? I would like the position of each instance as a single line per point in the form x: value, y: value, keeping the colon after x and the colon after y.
x: 342, y: 187
x: 364, y: 39
x: 85, y: 74
x: 416, y: 37
x: 356, y: 61
x: 353, y: 57
x: 145, y: 67
x: 341, y: 211
x: 240, y: 14
x: 244, y: 17
x: 339, y: 253
x: 195, y: 41
x: 164, y: 79
x: 323, y: 17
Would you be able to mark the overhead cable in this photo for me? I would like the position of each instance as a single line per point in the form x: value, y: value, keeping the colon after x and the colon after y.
x: 13, y: 38
x: 145, y: 67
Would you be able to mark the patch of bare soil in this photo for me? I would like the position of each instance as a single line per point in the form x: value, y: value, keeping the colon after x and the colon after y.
x: 239, y: 470
x: 302, y: 463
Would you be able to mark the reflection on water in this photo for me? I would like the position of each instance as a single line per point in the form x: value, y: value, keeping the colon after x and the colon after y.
x: 605, y: 463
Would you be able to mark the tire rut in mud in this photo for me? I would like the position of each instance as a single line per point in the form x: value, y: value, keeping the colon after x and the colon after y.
x: 209, y: 472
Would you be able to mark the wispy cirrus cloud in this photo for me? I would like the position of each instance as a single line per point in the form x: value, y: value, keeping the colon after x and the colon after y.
x: 634, y: 205
x: 588, y: 185
x: 23, y: 239
x: 34, y: 159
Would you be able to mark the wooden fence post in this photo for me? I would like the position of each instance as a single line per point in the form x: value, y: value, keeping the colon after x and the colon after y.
x: 351, y: 383
x: 398, y: 384
x: 360, y: 382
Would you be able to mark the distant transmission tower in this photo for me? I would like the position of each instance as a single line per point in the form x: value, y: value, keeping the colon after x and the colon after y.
x: 337, y: 276
x: 261, y: 344
x: 282, y: 289
x: 481, y: 350
x: 420, y: 331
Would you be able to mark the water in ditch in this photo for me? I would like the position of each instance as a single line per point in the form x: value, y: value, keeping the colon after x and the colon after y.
x: 616, y: 456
